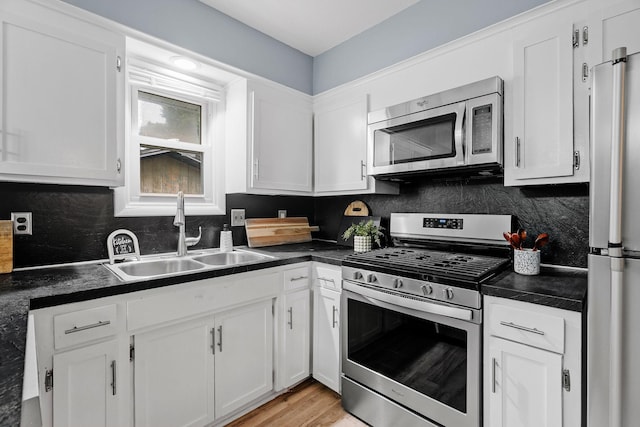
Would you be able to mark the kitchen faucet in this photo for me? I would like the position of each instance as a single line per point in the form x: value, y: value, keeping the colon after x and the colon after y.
x: 179, y: 221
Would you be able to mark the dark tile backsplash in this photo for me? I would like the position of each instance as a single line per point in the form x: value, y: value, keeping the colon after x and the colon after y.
x: 71, y: 223
x: 561, y: 211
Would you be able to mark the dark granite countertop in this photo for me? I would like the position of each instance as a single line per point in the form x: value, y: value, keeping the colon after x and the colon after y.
x: 26, y: 290
x: 554, y: 287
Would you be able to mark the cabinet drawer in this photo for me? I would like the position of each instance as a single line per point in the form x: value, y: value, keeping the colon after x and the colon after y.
x: 329, y: 278
x: 527, y: 326
x: 85, y: 325
x: 296, y: 278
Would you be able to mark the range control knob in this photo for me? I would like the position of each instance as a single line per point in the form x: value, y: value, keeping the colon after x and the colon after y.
x: 357, y: 275
x: 427, y: 289
x: 397, y: 283
x: 371, y: 278
x: 448, y: 293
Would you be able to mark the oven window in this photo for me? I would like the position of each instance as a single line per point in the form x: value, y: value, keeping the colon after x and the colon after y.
x: 428, y: 357
x: 422, y: 140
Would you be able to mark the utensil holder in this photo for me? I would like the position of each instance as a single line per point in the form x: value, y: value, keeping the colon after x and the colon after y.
x: 526, y: 261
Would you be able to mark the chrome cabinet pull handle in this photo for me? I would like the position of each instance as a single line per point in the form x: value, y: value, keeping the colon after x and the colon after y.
x: 220, y: 335
x: 522, y: 328
x: 493, y: 375
x: 335, y: 322
x: 293, y: 279
x: 327, y: 280
x: 113, y: 377
x: 363, y: 170
x: 290, y: 322
x: 85, y: 327
x: 517, y: 152
x: 213, y: 340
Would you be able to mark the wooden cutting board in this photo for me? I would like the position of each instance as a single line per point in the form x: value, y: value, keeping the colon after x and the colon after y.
x: 357, y: 208
x: 6, y: 246
x: 277, y: 231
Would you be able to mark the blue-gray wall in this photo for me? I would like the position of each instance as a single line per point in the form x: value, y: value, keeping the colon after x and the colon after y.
x: 202, y: 29
x: 421, y: 27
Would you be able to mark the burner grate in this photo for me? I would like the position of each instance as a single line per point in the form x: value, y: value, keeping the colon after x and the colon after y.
x: 458, y: 265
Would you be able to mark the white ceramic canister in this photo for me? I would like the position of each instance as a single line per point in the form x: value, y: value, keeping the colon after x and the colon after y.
x: 361, y: 243
x: 526, y: 261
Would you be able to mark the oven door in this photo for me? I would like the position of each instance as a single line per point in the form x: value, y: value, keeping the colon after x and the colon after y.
x: 431, y: 139
x: 428, y: 362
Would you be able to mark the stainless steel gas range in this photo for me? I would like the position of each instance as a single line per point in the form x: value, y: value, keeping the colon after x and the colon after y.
x: 412, y: 320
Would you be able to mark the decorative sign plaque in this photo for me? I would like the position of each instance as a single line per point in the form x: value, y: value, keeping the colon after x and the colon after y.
x: 122, y: 244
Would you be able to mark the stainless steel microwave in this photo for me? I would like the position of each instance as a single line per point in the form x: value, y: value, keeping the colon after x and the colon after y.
x: 459, y: 129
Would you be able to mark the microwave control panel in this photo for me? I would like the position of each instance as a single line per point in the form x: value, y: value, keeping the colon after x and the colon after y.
x: 450, y: 223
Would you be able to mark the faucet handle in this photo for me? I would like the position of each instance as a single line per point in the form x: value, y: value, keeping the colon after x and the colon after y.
x: 190, y: 241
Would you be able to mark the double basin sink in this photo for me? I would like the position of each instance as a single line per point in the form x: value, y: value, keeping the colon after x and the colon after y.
x: 171, y: 265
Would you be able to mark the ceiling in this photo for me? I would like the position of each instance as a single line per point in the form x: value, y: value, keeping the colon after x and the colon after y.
x: 311, y: 26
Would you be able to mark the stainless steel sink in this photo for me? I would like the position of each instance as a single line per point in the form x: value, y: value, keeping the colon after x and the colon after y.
x: 163, y: 265
x: 230, y: 258
x: 159, y: 267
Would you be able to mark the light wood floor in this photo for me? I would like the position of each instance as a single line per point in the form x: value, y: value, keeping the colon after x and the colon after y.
x: 308, y: 404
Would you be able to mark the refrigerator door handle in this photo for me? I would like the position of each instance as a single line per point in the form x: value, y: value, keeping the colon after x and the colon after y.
x: 615, y: 236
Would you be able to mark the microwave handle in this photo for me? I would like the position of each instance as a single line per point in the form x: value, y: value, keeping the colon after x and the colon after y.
x: 458, y: 136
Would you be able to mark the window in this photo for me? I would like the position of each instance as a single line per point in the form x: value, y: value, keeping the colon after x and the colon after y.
x: 174, y: 143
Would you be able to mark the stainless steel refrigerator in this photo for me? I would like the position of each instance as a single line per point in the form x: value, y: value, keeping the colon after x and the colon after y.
x: 613, y: 312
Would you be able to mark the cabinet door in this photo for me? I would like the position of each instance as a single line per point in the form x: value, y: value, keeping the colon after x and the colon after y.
x: 542, y: 144
x: 281, y: 136
x: 62, y: 86
x: 341, y: 146
x: 297, y: 319
x: 526, y: 386
x: 326, y: 337
x: 86, y: 384
x: 244, y: 356
x: 174, y: 375
x: 615, y: 26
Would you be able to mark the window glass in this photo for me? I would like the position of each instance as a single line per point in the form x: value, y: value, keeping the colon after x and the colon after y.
x: 168, y: 118
x: 167, y: 171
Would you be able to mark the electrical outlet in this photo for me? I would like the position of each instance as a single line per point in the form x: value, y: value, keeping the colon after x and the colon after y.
x: 282, y: 213
x: 21, y: 222
x: 237, y: 217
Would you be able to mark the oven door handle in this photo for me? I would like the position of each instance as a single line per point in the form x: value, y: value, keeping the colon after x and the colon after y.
x: 384, y: 300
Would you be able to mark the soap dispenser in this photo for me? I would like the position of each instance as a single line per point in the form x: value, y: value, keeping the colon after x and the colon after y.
x: 226, y: 239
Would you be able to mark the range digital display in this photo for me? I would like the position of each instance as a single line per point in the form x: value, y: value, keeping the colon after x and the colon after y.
x: 450, y: 223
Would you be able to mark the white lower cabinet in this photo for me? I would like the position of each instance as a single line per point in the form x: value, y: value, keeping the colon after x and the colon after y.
x: 190, y: 373
x: 174, y: 375
x: 326, y: 327
x: 296, y: 342
x: 244, y: 356
x: 525, y: 388
x: 86, y: 386
x: 532, y: 365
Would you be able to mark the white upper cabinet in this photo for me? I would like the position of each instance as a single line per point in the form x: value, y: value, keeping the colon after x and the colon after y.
x: 340, y: 148
x: 62, y: 98
x: 615, y: 26
x: 541, y: 145
x: 340, y: 136
x: 269, y: 139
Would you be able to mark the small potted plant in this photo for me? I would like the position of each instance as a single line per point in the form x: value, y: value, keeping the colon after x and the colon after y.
x: 363, y: 234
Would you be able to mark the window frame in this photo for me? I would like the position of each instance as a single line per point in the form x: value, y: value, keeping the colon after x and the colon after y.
x: 129, y: 200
